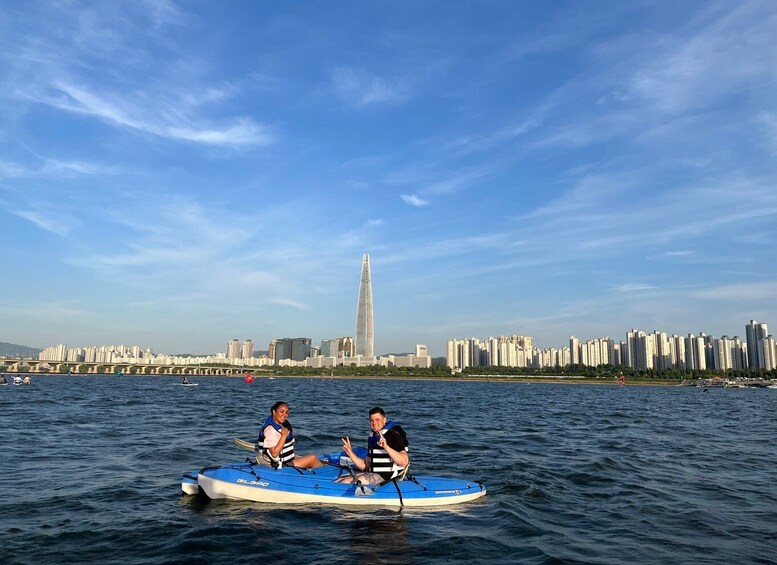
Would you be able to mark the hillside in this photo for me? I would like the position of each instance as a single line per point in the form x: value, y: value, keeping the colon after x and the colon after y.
x: 18, y: 351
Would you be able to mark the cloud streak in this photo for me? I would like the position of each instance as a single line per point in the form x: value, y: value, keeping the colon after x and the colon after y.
x: 176, y: 125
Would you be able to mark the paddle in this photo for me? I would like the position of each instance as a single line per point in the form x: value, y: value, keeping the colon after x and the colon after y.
x: 249, y: 445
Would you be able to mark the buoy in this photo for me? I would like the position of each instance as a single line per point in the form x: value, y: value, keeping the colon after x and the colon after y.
x: 249, y: 378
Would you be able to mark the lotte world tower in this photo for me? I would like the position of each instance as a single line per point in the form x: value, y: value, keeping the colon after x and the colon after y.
x: 365, y: 334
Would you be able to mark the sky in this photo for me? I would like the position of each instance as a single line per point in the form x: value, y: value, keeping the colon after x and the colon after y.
x: 175, y: 175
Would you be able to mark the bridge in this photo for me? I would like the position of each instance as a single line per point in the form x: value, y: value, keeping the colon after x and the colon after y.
x: 93, y: 368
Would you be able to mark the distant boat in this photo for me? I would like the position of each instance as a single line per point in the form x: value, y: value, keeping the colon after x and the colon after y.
x: 27, y: 380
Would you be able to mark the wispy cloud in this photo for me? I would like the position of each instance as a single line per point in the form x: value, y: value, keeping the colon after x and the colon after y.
x: 362, y: 88
x: 740, y: 292
x: 678, y: 78
x: 177, y: 100
x: 414, y: 200
x: 46, y: 310
x: 634, y: 287
x: 47, y: 220
x: 769, y: 119
x: 11, y: 170
x: 676, y: 253
x: 54, y: 166
x: 49, y: 168
x: 288, y: 302
x: 162, y: 118
x: 485, y: 141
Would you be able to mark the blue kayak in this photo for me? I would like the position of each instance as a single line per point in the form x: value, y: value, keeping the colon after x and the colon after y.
x: 291, y: 485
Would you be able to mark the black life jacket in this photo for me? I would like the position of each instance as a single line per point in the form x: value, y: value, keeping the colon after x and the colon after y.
x: 380, y: 460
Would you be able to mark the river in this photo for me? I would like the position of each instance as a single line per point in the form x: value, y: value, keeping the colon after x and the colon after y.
x: 575, y: 473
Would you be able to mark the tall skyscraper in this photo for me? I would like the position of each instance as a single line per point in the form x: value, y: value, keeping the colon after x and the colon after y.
x: 248, y: 349
x: 365, y: 334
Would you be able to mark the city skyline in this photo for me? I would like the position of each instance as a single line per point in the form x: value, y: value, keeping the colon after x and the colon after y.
x: 177, y: 174
x: 721, y: 352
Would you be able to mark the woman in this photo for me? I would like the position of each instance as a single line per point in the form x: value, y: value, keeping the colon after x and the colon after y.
x: 276, y: 441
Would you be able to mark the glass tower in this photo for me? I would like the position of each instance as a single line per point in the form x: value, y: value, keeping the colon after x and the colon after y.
x: 365, y: 335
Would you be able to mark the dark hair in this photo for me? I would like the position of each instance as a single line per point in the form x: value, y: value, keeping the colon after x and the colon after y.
x: 276, y: 406
x: 378, y: 410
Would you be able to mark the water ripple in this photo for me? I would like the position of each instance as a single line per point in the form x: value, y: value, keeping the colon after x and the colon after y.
x: 576, y: 474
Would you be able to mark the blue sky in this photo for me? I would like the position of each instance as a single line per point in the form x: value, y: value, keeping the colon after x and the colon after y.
x: 178, y: 174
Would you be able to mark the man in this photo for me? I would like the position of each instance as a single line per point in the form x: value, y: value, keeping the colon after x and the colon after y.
x: 387, y: 454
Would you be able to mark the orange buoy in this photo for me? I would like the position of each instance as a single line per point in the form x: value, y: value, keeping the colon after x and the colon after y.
x: 249, y: 378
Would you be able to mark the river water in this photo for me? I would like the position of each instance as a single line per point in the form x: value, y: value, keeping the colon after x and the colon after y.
x: 575, y: 473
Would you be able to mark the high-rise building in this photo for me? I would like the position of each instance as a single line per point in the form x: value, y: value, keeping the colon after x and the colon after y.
x: 365, y: 334
x: 770, y: 353
x: 755, y: 333
x: 248, y: 349
x: 338, y: 347
x: 574, y: 349
x: 272, y: 350
x: 295, y: 348
x: 233, y: 349
x: 328, y: 348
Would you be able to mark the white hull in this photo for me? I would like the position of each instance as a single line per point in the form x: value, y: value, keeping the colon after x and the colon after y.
x: 190, y: 488
x: 221, y: 489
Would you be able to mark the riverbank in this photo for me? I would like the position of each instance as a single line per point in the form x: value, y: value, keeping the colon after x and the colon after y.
x: 496, y: 378
x: 570, y: 380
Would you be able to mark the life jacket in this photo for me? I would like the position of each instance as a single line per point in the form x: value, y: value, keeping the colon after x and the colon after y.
x: 380, y: 461
x: 286, y: 456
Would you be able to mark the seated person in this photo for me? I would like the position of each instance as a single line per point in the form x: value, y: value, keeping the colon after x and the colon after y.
x: 387, y: 455
x: 276, y: 442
